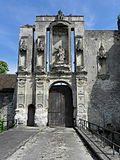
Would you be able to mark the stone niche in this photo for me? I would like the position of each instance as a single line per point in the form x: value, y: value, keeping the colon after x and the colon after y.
x: 40, y: 48
x: 23, y: 53
x: 59, y: 44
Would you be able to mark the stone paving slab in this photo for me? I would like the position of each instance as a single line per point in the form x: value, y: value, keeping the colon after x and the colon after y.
x: 53, y: 144
x: 12, y: 139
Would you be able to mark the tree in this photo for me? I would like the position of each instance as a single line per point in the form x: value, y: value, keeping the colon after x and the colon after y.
x: 3, y: 67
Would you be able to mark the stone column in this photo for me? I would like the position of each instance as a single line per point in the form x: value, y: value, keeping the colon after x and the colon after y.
x: 81, y: 99
x: 41, y: 110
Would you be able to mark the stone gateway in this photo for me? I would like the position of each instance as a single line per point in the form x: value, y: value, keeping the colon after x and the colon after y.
x: 66, y: 72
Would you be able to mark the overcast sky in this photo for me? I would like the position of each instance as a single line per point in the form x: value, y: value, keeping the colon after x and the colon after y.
x: 98, y: 14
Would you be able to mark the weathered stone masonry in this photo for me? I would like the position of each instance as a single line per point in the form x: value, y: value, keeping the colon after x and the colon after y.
x: 94, y: 83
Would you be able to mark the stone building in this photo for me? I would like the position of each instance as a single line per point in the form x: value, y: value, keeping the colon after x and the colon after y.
x: 7, y: 98
x: 66, y: 72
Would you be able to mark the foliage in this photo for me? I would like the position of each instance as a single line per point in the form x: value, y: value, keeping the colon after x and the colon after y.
x: 3, y: 67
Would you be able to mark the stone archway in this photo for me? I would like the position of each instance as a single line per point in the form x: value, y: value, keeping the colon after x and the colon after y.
x: 60, y: 111
x: 31, y: 115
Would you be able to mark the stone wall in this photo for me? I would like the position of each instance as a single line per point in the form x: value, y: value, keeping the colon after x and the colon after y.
x: 103, y: 91
x: 7, y: 106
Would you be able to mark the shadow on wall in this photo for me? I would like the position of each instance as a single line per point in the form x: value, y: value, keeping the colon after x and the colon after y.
x: 104, y: 107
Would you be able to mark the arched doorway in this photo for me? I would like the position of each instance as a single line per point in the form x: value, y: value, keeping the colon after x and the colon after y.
x: 31, y: 115
x: 60, y: 111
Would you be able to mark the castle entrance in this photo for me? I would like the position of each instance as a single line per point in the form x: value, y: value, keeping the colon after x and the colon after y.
x: 60, y: 111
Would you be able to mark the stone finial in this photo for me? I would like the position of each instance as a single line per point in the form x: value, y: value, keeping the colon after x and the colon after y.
x: 60, y: 15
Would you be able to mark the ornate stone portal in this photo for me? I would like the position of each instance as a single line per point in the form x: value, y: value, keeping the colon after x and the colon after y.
x: 34, y: 81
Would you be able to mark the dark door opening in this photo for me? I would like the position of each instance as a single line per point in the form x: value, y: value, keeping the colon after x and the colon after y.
x: 60, y: 106
x: 31, y: 114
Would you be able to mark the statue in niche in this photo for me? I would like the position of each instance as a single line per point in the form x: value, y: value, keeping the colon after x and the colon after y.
x: 102, y: 66
x: 40, y: 46
x: 23, y: 52
x: 79, y: 46
x: 40, y: 51
x: 79, y: 51
x: 60, y: 54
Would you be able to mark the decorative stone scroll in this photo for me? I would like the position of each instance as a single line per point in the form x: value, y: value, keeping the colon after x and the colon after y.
x: 20, y: 106
x: 39, y: 105
x: 22, y: 53
x: 39, y: 84
x: 40, y: 48
x: 21, y: 83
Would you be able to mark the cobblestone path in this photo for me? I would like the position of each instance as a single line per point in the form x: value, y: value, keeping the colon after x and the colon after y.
x: 53, y: 144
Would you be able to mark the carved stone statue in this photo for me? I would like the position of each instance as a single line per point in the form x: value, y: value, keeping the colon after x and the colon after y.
x: 102, y: 56
x: 40, y: 51
x: 22, y: 56
x: 23, y: 46
x: 79, y: 46
x: 60, y: 54
x: 40, y: 46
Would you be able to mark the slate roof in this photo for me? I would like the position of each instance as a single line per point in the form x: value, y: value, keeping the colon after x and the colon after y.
x: 8, y: 81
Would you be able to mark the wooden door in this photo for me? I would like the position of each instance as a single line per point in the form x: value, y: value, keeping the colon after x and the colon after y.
x: 60, y: 107
x: 31, y: 114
